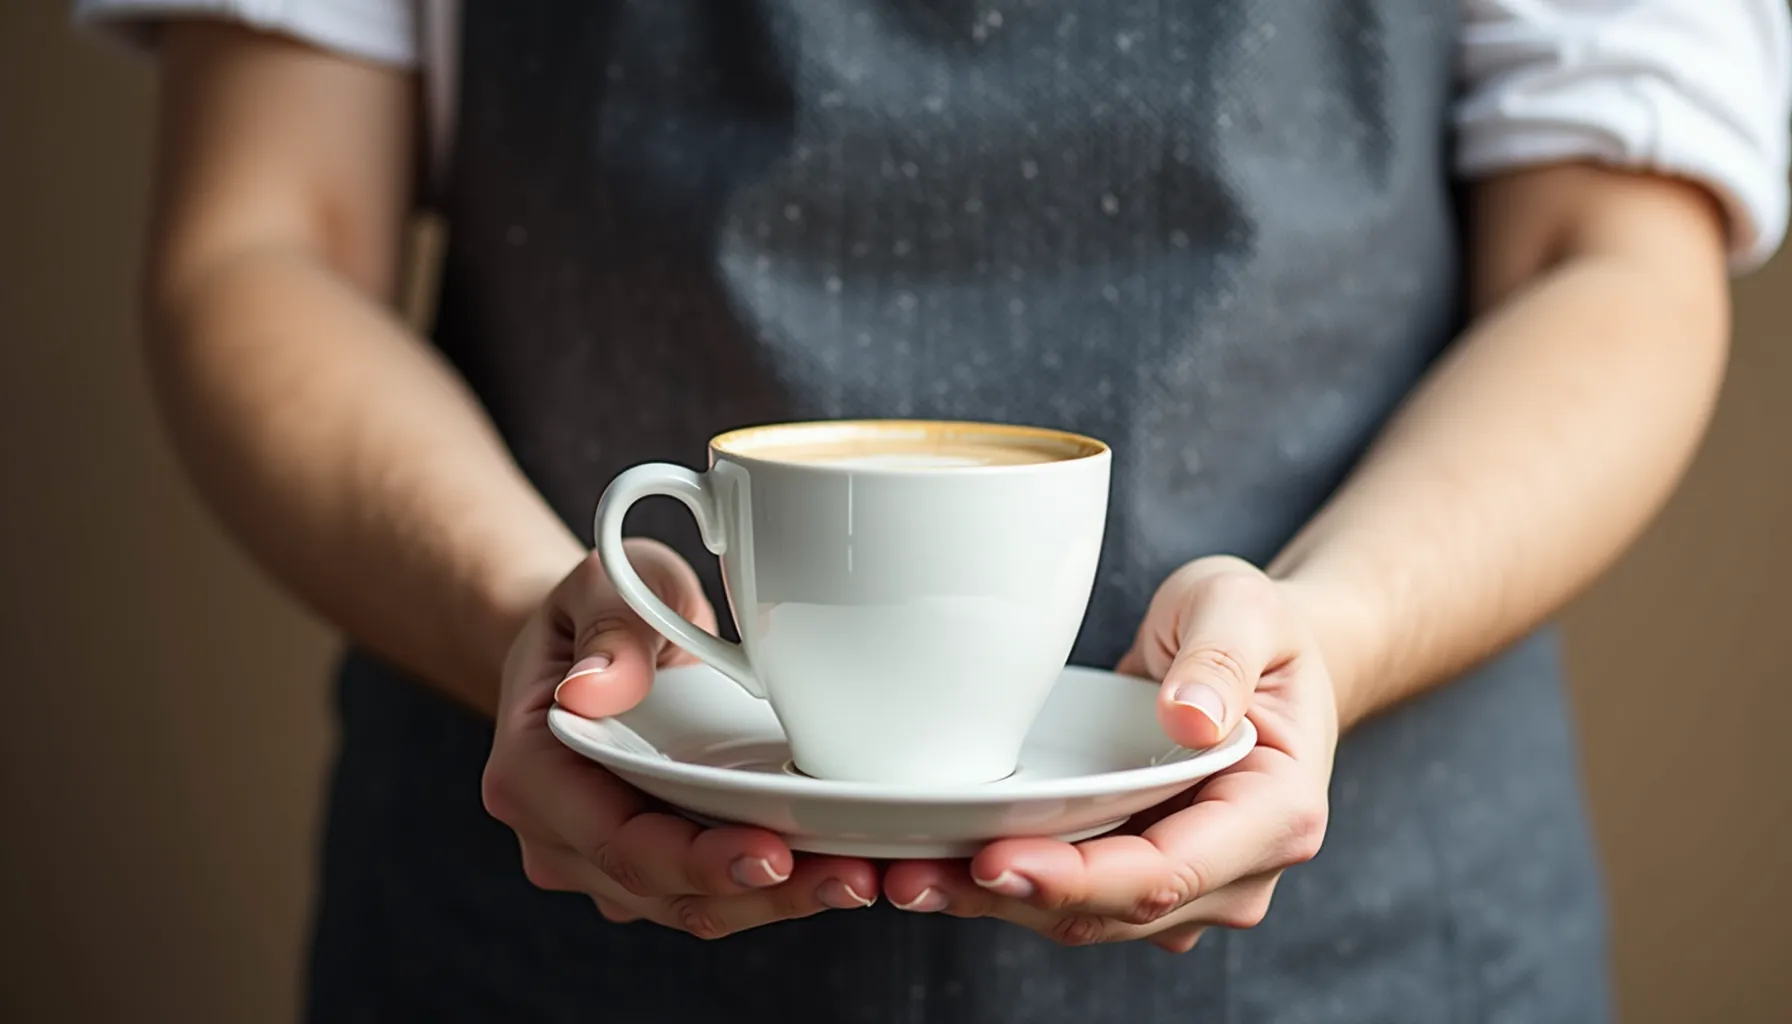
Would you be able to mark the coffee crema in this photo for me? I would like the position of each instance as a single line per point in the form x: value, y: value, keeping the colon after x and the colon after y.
x: 906, y: 445
x: 898, y: 456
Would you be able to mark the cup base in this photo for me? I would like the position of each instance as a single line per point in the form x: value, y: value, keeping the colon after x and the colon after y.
x: 792, y: 768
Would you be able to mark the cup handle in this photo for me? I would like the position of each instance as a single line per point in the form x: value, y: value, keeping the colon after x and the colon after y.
x: 694, y: 490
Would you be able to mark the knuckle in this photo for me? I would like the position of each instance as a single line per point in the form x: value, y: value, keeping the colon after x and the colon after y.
x: 542, y: 874
x: 658, y: 563
x: 646, y: 549
x: 1151, y: 906
x: 1192, y: 877
x: 696, y: 917
x: 619, y: 868
x: 1306, y: 832
x: 496, y: 792
x: 605, y: 623
x: 1078, y: 930
x: 588, y: 575
x: 1159, y: 901
x: 667, y: 574
x: 788, y: 901
x: 1248, y: 913
x: 1241, y: 585
x: 1216, y: 664
x: 614, y: 913
x: 1056, y: 898
x: 540, y: 877
x: 1178, y: 941
x: 968, y: 904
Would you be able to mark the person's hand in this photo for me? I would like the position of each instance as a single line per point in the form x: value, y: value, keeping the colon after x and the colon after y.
x: 584, y: 830
x: 1227, y: 643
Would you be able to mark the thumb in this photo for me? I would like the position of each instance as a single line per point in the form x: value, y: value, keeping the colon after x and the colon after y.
x: 1227, y: 641
x: 613, y: 650
x: 612, y: 663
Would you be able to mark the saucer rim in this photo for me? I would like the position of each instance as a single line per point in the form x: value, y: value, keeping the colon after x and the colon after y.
x: 1209, y: 761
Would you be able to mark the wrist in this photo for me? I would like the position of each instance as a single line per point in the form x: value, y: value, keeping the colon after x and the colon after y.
x: 1349, y: 639
x: 500, y: 600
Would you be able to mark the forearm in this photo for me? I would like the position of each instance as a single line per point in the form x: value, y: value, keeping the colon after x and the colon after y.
x: 1525, y: 463
x: 353, y: 463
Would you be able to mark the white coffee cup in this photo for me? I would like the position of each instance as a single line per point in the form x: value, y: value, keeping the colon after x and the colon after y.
x: 906, y: 592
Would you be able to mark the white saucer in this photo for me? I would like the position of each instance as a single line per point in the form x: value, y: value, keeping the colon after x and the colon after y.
x: 1095, y: 757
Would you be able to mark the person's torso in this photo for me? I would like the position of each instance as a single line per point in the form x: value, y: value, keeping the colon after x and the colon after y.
x: 1218, y: 234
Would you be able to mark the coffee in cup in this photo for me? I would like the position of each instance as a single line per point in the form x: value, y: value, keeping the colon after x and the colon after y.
x: 906, y: 592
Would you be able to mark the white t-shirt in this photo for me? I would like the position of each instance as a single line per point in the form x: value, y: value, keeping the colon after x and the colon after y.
x: 1696, y: 88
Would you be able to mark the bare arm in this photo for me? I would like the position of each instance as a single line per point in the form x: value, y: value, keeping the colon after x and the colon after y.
x: 1540, y: 447
x: 1522, y: 465
x: 338, y: 447
x: 357, y: 467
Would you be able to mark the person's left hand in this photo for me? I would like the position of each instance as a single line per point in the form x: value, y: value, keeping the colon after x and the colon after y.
x: 1227, y: 643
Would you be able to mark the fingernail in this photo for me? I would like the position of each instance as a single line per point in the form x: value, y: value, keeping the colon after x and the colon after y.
x: 585, y: 667
x: 839, y: 895
x: 755, y: 872
x: 1202, y: 698
x: 927, y: 901
x: 588, y: 666
x: 1007, y: 884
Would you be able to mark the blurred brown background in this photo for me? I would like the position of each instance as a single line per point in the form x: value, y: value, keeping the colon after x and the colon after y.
x: 166, y: 719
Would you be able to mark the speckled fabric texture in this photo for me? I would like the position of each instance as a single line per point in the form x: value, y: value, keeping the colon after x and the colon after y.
x: 1218, y: 234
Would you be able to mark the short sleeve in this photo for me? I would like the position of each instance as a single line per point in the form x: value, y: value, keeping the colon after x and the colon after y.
x: 383, y: 31
x: 1700, y: 89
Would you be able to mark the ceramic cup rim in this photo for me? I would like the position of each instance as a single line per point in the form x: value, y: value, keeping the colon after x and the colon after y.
x: 737, y: 445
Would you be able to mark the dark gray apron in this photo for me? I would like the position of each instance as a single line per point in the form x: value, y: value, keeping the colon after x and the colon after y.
x: 1218, y: 234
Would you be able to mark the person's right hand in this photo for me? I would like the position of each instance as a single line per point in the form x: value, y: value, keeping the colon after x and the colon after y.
x: 584, y: 830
